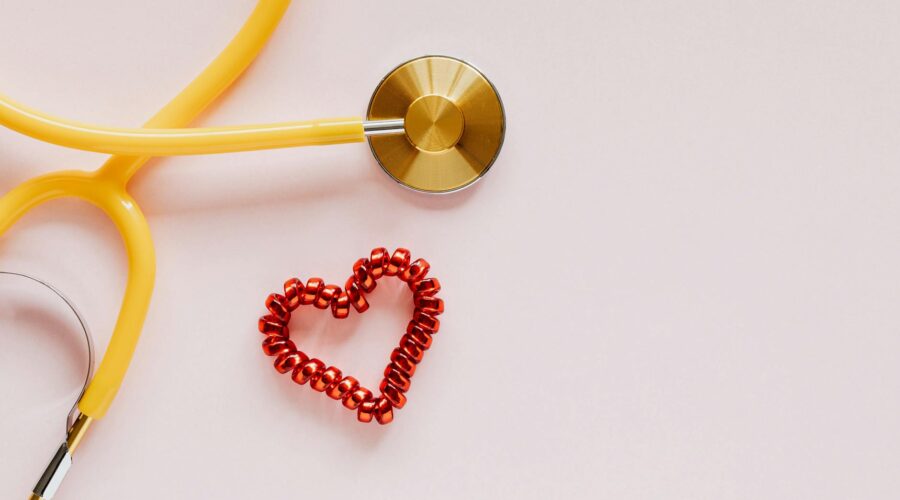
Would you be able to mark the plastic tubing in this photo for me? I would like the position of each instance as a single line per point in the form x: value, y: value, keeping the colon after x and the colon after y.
x: 105, y: 188
x: 177, y: 141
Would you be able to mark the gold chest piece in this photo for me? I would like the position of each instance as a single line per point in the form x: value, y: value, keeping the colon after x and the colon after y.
x: 453, y: 119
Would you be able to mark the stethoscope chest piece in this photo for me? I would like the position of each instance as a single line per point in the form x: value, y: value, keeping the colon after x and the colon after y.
x: 453, y: 119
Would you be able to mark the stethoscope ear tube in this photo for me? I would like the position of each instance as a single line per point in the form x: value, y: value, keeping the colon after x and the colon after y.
x: 73, y: 413
x: 76, y: 422
x: 59, y: 466
x: 54, y: 474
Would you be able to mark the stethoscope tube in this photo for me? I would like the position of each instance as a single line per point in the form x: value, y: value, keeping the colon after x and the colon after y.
x: 188, y: 141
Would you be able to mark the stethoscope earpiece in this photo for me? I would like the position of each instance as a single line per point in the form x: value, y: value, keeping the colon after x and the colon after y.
x: 453, y: 121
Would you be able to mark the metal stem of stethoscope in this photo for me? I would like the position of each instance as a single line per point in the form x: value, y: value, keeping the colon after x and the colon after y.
x: 384, y: 127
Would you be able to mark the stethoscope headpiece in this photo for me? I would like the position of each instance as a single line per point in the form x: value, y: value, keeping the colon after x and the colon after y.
x: 453, y: 119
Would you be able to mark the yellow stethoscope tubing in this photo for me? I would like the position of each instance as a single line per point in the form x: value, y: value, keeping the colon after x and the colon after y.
x: 177, y: 141
x: 106, y: 189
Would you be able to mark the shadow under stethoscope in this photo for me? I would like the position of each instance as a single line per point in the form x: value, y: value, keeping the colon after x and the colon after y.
x: 184, y: 191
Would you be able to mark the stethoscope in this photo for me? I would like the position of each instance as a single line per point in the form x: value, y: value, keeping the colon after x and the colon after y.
x: 435, y: 124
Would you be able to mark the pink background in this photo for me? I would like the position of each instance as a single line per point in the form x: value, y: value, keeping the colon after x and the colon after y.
x: 680, y: 279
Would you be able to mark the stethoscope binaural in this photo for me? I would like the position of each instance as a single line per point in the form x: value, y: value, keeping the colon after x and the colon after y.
x: 435, y: 124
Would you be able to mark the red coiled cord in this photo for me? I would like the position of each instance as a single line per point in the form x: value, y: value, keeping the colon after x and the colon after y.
x: 330, y: 380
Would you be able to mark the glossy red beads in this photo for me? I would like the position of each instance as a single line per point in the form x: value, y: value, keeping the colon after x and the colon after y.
x: 341, y: 301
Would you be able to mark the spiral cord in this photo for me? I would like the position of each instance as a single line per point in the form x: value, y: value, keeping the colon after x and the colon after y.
x: 404, y: 358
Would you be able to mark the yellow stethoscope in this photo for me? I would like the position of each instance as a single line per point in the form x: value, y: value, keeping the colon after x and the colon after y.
x: 435, y: 124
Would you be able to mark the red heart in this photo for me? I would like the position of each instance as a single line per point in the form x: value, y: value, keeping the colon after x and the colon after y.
x: 330, y: 380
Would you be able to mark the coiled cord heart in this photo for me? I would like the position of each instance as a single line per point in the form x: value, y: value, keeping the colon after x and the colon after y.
x: 403, y: 359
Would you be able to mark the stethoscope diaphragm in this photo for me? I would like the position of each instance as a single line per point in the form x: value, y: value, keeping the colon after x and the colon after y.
x: 454, y: 124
